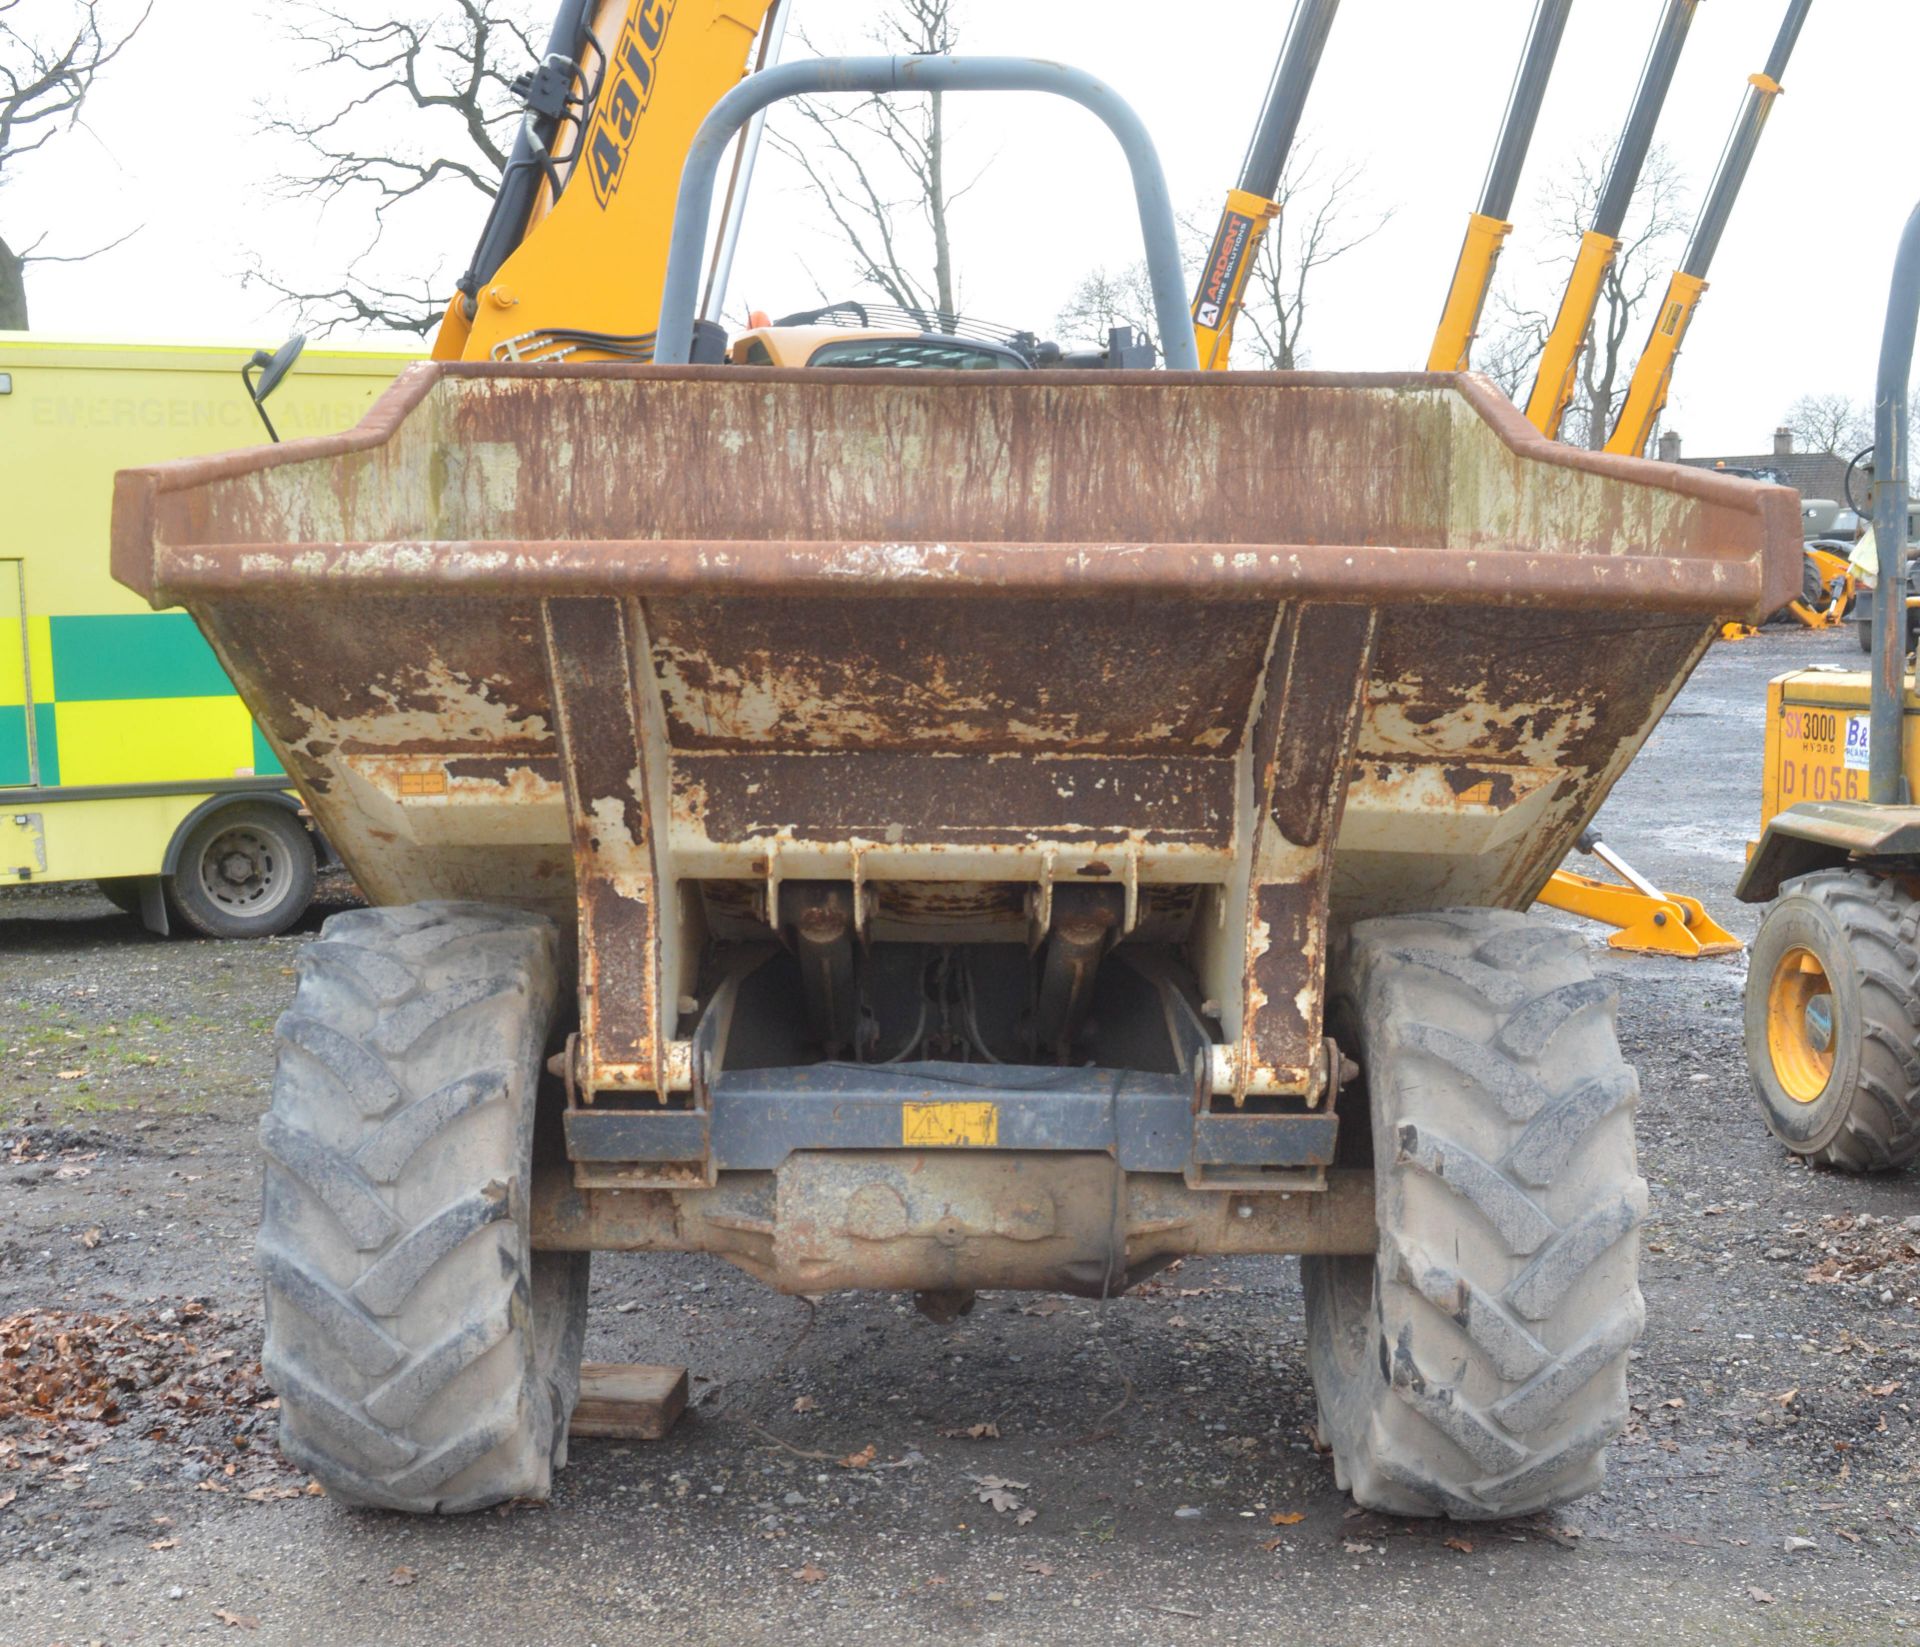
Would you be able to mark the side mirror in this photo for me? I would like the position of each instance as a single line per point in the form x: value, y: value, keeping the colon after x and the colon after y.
x: 272, y: 368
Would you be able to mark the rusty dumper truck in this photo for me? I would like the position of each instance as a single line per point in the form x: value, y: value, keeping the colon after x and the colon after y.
x: 951, y: 830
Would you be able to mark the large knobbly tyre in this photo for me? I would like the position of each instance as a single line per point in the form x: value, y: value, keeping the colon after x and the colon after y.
x: 1477, y: 1366
x: 1833, y: 1020
x: 425, y: 1357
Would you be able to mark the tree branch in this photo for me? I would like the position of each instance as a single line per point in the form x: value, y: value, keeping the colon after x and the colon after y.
x: 872, y: 163
x: 451, y: 74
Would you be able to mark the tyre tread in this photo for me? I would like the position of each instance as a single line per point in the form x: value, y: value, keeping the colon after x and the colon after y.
x: 417, y: 1386
x: 1502, y: 1353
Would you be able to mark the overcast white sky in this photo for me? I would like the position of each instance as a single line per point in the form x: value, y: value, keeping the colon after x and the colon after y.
x: 1415, y: 88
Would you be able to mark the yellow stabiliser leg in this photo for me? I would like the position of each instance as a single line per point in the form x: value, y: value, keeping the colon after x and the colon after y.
x: 1472, y: 275
x: 1836, y: 577
x: 1650, y: 922
x: 1223, y: 282
x: 1647, y: 392
x: 1553, y: 381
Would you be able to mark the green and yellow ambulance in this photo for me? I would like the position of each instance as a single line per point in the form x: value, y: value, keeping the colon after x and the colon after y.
x: 125, y: 756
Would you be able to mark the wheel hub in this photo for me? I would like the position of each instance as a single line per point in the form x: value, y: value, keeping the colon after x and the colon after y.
x: 241, y: 870
x: 1800, y: 1027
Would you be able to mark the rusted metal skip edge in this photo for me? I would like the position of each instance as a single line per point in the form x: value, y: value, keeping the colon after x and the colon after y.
x: 640, y: 567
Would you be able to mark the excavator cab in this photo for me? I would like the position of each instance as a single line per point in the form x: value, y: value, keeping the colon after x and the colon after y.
x: 854, y: 334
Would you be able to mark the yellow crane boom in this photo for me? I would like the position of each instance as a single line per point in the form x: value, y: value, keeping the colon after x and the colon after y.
x: 1487, y: 227
x: 1251, y: 207
x: 1553, y: 381
x: 1647, y: 392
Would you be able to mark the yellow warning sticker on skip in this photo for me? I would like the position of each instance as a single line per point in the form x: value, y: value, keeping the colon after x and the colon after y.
x: 950, y: 1126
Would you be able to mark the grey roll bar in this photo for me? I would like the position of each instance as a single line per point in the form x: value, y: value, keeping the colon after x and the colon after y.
x: 1885, y: 778
x: 673, y: 343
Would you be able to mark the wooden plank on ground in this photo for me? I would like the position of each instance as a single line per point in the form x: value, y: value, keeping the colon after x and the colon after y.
x: 630, y: 1400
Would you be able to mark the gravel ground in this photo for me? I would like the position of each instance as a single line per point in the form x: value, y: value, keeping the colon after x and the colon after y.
x: 824, y: 1485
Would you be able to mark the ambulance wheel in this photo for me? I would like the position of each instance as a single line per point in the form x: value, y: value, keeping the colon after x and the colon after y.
x: 245, y: 871
x: 1833, y: 1017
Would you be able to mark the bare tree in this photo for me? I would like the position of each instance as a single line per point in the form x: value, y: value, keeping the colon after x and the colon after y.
x: 394, y: 111
x: 1830, y: 423
x: 1509, y: 350
x: 1641, y: 262
x: 879, y: 167
x: 1106, y: 298
x: 46, y: 76
x: 1321, y: 220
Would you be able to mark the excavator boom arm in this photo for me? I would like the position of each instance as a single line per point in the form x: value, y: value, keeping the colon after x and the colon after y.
x: 574, y: 255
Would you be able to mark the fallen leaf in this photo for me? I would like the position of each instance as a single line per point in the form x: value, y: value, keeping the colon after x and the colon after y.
x: 1002, y: 1494
x: 1850, y: 1537
x: 1024, y: 1517
x: 1354, y: 1547
x: 404, y: 1576
x: 1044, y: 1306
x: 1675, y: 1401
x: 236, y: 1621
x: 860, y: 1460
x: 1463, y: 1545
x: 1287, y: 1518
x: 1760, y: 1595
x: 1888, y: 1388
x: 8, y: 1497
x: 804, y: 1404
x: 315, y: 1490
x: 164, y: 1544
x: 1271, y: 1544
x: 90, y: 1238
x: 810, y: 1574
x: 1786, y: 1397
x: 67, y: 1075
x: 973, y: 1432
x: 1039, y: 1569
x: 73, y: 1172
